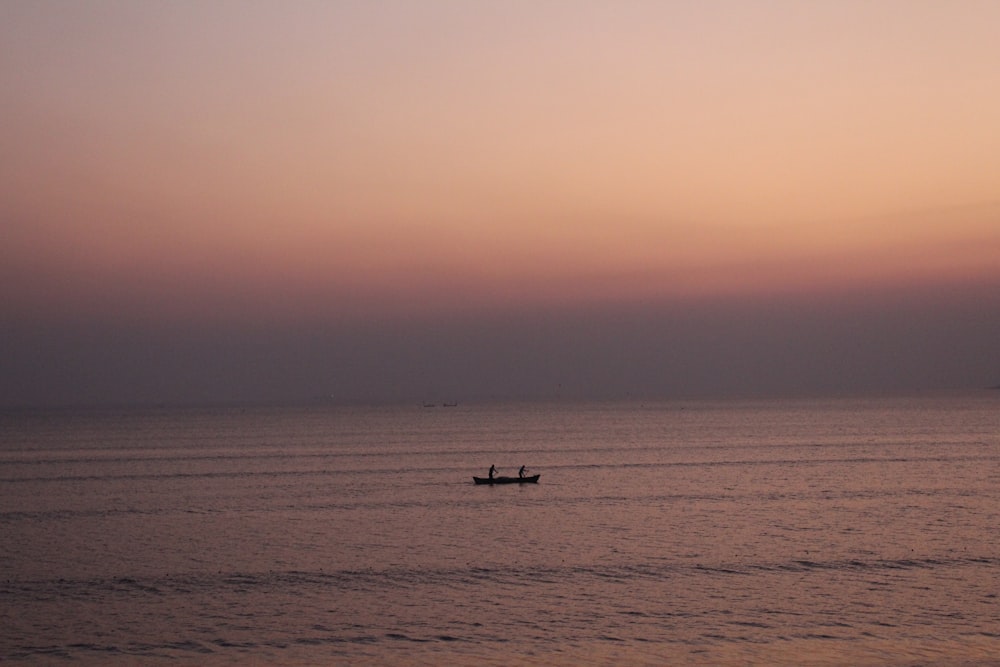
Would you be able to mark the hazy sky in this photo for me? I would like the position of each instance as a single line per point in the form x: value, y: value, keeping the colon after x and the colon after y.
x: 435, y: 200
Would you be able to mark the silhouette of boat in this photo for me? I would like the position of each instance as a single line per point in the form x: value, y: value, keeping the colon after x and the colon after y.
x: 533, y: 479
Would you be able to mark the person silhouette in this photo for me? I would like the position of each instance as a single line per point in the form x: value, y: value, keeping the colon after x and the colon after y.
x: 520, y: 473
x: 493, y: 470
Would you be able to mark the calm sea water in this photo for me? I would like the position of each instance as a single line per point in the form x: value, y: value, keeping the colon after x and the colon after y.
x: 822, y: 532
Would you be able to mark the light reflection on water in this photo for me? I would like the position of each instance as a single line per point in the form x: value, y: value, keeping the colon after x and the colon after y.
x: 803, y: 532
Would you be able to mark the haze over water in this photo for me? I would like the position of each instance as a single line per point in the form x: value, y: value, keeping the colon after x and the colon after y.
x: 823, y: 532
x: 261, y: 202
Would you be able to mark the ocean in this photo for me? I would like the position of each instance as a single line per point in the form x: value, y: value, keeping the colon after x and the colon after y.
x: 848, y: 531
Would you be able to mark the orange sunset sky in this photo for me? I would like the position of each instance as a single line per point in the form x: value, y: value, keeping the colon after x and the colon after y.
x: 179, y: 178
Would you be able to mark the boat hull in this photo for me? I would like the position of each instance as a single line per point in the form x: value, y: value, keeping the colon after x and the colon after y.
x: 533, y: 479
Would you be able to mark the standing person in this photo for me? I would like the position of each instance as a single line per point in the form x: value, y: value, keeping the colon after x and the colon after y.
x: 520, y: 473
x: 493, y: 470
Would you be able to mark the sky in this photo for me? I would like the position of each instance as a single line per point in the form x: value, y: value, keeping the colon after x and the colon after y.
x: 448, y: 200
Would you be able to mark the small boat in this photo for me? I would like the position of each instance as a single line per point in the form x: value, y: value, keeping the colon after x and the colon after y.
x: 533, y: 479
